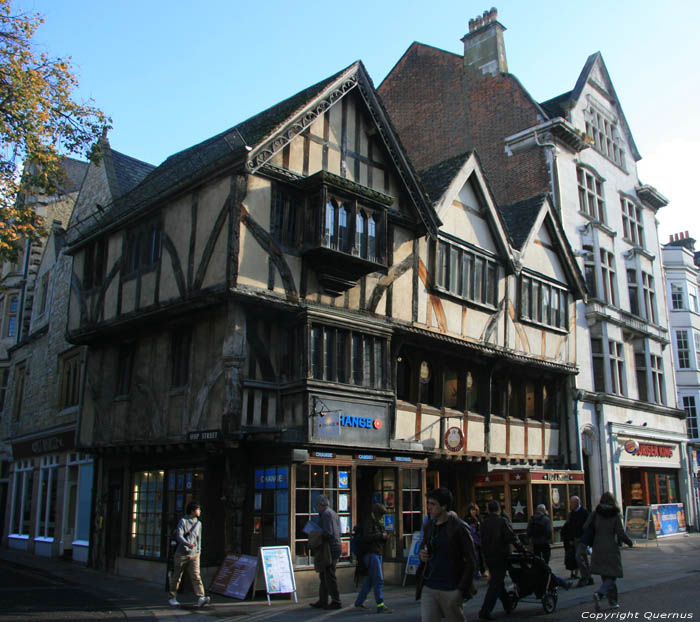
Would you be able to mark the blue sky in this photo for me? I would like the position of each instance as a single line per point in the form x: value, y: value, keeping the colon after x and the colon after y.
x: 172, y: 73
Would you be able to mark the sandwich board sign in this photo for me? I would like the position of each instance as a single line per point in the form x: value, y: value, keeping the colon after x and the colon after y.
x: 278, y: 571
x: 235, y: 576
x: 413, y: 561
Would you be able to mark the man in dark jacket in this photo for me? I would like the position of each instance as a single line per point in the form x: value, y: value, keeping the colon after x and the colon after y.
x: 374, y: 536
x: 539, y: 530
x: 448, y: 562
x: 497, y: 536
x: 577, y: 519
x: 330, y: 526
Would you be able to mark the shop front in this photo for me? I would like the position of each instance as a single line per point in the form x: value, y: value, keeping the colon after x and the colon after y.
x: 520, y: 492
x: 50, y: 496
x: 351, y: 460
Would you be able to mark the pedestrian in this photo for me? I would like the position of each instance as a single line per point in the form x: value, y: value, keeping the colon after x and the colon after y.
x: 374, y: 536
x: 448, y: 562
x: 187, y: 553
x: 606, y: 559
x: 577, y: 519
x: 497, y: 536
x: 567, y: 539
x: 473, y: 519
x: 539, y: 530
x: 326, y: 556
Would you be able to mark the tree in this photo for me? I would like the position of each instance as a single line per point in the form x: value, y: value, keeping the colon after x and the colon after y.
x: 39, y: 122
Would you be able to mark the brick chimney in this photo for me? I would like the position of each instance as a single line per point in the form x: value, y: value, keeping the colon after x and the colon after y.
x: 484, y: 48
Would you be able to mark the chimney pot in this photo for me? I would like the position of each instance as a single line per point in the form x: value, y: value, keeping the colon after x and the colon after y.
x: 670, y: 237
x: 686, y: 235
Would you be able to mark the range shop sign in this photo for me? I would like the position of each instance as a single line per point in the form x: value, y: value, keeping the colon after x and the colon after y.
x: 358, y: 423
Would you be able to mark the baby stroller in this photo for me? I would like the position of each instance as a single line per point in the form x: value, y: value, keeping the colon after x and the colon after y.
x: 533, y: 578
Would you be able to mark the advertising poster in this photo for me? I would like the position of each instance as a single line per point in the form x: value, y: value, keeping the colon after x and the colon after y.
x: 389, y: 522
x: 235, y: 576
x: 277, y: 569
x: 637, y: 522
x: 669, y: 519
x: 413, y: 561
x: 343, y: 479
x: 342, y: 503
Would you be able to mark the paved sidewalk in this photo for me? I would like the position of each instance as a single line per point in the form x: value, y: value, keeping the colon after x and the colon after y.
x: 675, y: 562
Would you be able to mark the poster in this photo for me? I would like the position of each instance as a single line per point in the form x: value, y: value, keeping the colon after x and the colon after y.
x: 343, y: 479
x: 669, y: 519
x: 277, y: 569
x: 235, y: 576
x: 389, y: 522
x: 344, y: 524
x: 637, y: 522
x: 412, y: 561
x: 342, y: 503
x: 257, y: 502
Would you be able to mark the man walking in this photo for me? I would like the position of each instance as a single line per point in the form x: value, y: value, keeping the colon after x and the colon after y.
x: 497, y: 536
x: 539, y: 530
x: 374, y: 536
x: 189, y: 548
x: 330, y: 536
x: 577, y: 519
x: 448, y: 568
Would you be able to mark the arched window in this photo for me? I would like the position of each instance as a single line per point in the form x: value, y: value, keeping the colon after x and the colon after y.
x: 329, y: 235
x: 372, y: 239
x: 360, y: 234
x: 343, y: 230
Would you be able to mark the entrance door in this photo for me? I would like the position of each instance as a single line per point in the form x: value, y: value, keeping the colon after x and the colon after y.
x: 113, y: 526
x: 378, y: 485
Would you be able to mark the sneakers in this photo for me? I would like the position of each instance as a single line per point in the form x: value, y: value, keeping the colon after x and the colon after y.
x: 596, y: 602
x: 384, y: 609
x: 173, y: 602
x: 203, y: 600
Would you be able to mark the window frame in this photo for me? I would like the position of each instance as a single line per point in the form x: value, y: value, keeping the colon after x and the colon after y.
x: 95, y: 263
x: 591, y: 195
x: 607, y: 267
x: 605, y: 133
x: 616, y: 351
x: 682, y: 349
x: 547, y: 310
x: 691, y: 415
x: 143, y: 247
x: 70, y: 364
x: 632, y: 222
x: 21, y: 514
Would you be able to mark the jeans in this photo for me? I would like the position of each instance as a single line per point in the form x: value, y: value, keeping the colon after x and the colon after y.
x: 375, y: 579
x: 608, y: 588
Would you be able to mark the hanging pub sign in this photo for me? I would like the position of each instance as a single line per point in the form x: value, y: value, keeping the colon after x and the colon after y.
x: 454, y: 439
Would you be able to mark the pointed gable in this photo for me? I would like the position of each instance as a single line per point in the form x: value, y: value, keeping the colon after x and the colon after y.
x: 465, y: 204
x: 533, y: 223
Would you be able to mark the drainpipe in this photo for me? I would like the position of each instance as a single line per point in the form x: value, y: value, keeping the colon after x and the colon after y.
x: 578, y: 464
x: 601, y: 444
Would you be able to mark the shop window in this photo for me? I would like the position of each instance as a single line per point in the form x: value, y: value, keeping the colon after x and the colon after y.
x: 332, y: 481
x: 46, y: 509
x: 412, y: 513
x: 519, y: 511
x: 145, y: 532
x: 79, y: 496
x: 540, y: 494
x: 271, y: 506
x: 450, y: 389
x: 384, y: 492
x: 182, y: 486
x: 22, y: 498
x: 560, y: 503
x: 484, y: 494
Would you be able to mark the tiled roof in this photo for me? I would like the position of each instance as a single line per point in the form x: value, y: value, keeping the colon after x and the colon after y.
x: 127, y: 172
x: 519, y: 218
x: 75, y: 173
x: 556, y: 107
x: 436, y: 179
x: 183, y: 168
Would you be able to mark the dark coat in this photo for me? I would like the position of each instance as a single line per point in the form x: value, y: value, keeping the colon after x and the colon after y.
x: 329, y: 523
x: 462, y: 555
x: 577, y: 520
x: 373, y: 533
x: 497, y: 536
x: 606, y: 559
x: 539, y: 529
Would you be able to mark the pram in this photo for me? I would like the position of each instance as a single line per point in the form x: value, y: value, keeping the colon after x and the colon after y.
x: 532, y: 577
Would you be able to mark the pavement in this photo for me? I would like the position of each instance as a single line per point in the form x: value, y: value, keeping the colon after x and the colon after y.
x: 661, y: 582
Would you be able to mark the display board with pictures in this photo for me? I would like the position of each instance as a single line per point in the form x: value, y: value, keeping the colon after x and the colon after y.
x: 278, y: 571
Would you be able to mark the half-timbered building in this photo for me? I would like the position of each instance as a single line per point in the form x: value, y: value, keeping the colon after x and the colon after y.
x: 279, y: 312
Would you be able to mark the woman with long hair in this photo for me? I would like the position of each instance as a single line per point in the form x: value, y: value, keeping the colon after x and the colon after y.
x: 606, y: 560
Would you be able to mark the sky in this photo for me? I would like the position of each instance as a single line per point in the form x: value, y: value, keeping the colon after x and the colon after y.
x: 173, y: 73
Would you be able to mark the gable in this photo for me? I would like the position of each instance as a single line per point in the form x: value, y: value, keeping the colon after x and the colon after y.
x: 344, y: 141
x: 542, y: 255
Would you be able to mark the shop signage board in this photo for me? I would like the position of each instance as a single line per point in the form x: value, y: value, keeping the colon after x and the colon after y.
x: 669, y: 519
x: 278, y: 571
x: 413, y: 561
x: 638, y: 522
x: 235, y: 576
x: 454, y: 439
